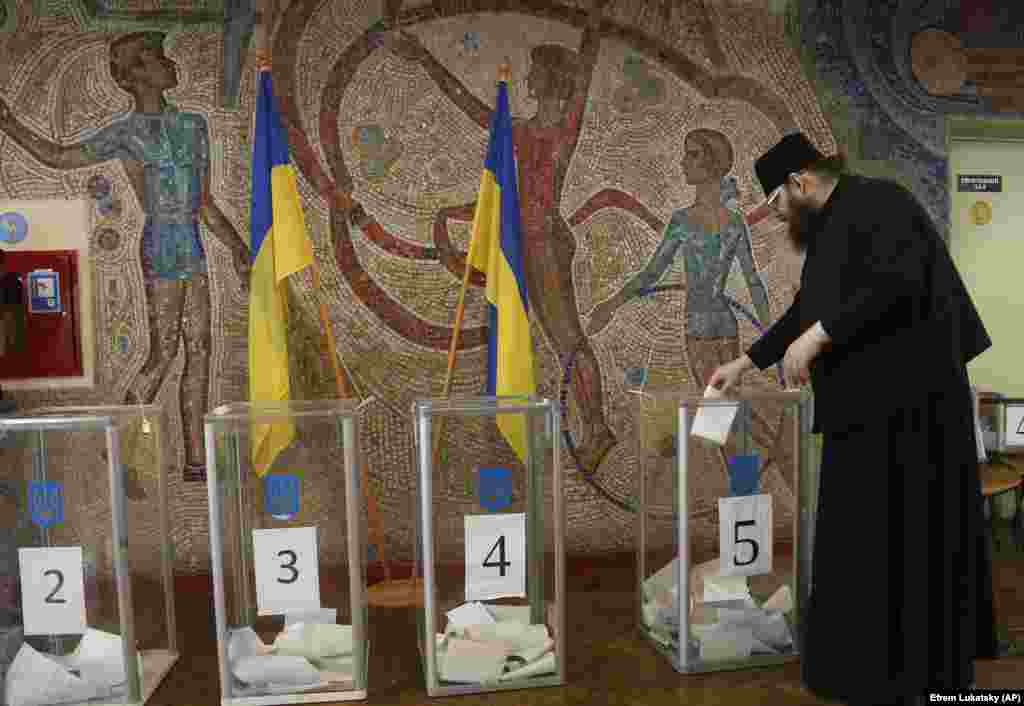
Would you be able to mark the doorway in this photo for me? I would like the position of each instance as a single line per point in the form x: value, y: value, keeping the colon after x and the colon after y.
x: 986, y: 185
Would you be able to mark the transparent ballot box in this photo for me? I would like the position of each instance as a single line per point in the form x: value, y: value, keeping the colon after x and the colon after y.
x: 288, y: 551
x: 490, y: 544
x: 726, y: 507
x: 86, y: 586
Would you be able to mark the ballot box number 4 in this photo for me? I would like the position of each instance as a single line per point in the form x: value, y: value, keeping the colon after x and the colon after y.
x: 287, y: 570
x: 495, y: 556
x: 53, y: 590
x: 745, y: 535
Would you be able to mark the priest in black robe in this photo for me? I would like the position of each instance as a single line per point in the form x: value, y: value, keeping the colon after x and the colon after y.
x: 883, y: 328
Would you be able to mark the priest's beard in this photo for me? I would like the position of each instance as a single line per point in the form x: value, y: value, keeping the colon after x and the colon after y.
x: 801, y: 225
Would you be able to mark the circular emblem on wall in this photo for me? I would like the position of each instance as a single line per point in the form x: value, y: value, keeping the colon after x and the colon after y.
x: 108, y: 239
x: 981, y: 213
x: 13, y: 227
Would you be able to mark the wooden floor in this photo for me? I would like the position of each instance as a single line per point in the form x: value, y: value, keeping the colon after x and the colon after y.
x: 608, y: 663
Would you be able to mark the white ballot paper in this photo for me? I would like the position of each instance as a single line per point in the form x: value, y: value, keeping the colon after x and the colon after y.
x: 473, y: 613
x: 94, y: 670
x: 712, y: 422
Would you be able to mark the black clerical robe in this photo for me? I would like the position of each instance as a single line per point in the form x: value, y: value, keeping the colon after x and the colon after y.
x: 901, y: 595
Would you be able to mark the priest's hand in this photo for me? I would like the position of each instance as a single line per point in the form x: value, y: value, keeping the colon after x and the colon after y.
x: 728, y: 376
x: 802, y: 351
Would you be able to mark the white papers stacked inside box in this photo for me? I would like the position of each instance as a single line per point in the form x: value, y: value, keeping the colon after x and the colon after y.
x: 94, y: 670
x: 726, y: 623
x: 491, y: 643
x: 304, y: 656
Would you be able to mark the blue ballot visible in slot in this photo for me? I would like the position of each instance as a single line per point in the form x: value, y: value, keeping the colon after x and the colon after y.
x: 744, y: 474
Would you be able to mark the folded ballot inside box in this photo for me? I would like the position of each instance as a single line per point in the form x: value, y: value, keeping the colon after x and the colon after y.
x: 305, y: 655
x: 725, y: 619
x: 483, y: 644
x: 95, y: 669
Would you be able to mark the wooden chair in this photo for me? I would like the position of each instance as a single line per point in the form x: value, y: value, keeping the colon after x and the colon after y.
x: 997, y: 479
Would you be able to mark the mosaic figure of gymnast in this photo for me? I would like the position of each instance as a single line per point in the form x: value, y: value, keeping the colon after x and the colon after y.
x: 559, y: 79
x: 710, y: 235
x: 165, y: 153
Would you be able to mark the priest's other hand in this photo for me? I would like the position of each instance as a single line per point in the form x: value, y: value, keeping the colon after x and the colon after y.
x: 802, y: 351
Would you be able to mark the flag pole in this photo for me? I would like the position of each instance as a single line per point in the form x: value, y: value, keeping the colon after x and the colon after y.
x: 504, y: 74
x: 385, y: 595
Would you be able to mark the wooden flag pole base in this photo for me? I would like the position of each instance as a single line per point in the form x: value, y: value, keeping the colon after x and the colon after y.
x: 396, y: 593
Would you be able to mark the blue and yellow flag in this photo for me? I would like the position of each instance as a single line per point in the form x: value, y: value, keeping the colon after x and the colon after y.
x: 280, y: 248
x: 496, y: 251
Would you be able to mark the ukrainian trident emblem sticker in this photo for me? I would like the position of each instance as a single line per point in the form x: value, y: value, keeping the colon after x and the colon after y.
x: 46, y: 502
x: 281, y: 495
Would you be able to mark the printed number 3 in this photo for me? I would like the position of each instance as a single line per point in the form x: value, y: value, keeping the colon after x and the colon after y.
x: 60, y: 584
x: 501, y: 563
x: 289, y: 566
x: 754, y: 548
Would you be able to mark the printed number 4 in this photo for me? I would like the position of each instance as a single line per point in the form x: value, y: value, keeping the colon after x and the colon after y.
x: 753, y: 545
x: 51, y: 598
x: 501, y: 563
x: 289, y: 566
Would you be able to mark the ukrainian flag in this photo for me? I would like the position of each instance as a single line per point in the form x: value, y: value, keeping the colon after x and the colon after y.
x: 280, y: 248
x: 496, y: 250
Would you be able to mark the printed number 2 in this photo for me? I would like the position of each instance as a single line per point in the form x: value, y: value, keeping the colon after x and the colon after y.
x: 501, y: 563
x: 290, y: 566
x: 751, y: 542
x: 60, y: 584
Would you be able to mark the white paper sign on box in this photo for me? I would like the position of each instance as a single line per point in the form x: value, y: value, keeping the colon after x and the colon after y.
x: 1015, y: 426
x: 287, y: 570
x: 495, y: 556
x: 745, y: 535
x: 52, y: 590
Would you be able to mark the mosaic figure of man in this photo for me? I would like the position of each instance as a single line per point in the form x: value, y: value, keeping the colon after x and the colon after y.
x: 165, y: 153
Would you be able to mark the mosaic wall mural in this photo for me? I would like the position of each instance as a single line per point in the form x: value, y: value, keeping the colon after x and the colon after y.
x: 889, y: 71
x: 636, y: 127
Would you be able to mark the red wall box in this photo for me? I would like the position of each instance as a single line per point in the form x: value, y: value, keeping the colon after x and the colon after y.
x: 53, y: 346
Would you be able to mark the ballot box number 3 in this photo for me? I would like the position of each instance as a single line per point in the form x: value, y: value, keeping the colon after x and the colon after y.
x: 287, y: 570
x: 745, y: 535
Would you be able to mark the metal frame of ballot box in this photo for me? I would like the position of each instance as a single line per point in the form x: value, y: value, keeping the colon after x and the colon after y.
x: 242, y: 415
x: 424, y: 413
x: 681, y: 654
x: 140, y: 683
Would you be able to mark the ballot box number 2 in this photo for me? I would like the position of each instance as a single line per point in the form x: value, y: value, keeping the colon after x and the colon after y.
x: 53, y: 590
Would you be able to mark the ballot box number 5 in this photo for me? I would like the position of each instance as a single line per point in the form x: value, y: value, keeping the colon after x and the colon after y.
x: 745, y: 535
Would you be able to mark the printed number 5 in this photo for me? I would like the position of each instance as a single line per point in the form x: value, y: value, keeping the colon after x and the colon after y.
x: 51, y: 598
x: 289, y: 566
x: 754, y: 548
x: 501, y: 563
